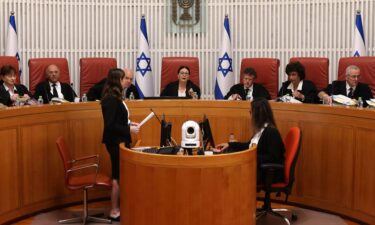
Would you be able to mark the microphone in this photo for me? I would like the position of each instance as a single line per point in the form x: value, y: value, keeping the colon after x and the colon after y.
x: 157, y: 115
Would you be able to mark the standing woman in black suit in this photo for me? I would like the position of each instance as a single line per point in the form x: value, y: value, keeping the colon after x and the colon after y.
x: 266, y: 136
x: 117, y: 129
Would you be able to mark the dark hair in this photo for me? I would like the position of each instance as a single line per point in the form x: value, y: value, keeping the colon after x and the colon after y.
x: 261, y: 113
x: 250, y: 71
x: 296, y: 67
x: 113, y: 86
x: 7, y: 69
x: 183, y: 67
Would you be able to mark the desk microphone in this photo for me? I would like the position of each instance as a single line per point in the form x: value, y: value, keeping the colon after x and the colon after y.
x: 156, y: 115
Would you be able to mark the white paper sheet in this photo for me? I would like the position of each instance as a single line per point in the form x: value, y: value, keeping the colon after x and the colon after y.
x: 146, y: 119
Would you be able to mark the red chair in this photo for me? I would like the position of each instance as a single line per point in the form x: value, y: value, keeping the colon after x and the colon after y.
x: 76, y: 180
x: 267, y: 72
x: 11, y: 60
x: 316, y: 70
x: 367, y: 66
x: 37, y: 68
x: 93, y: 70
x: 170, y: 65
x: 292, y: 144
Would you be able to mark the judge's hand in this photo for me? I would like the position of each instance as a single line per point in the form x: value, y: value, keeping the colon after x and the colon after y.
x: 327, y: 100
x: 26, y: 97
x: 220, y: 147
x: 134, y: 129
x: 193, y: 94
x: 235, y: 97
x: 134, y: 124
x: 298, y: 94
x: 14, y: 97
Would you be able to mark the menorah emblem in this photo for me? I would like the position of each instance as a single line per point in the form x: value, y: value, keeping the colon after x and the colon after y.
x: 186, y: 5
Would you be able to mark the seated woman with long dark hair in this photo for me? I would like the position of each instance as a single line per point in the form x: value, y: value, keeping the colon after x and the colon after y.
x: 266, y: 136
x: 183, y: 87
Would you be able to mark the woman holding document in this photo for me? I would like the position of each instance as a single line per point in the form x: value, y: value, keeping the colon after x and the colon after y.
x: 117, y: 129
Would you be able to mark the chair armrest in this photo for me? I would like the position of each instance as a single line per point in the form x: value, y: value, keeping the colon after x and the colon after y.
x: 269, y: 170
x: 86, y: 157
x: 83, y: 167
x: 274, y: 166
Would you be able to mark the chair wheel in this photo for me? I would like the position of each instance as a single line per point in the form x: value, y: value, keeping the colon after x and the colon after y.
x: 294, y: 217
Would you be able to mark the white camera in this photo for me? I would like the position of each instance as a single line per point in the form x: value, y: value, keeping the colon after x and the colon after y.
x: 190, y: 134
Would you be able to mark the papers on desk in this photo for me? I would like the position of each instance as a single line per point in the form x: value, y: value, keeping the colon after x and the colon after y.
x: 58, y: 100
x: 288, y: 98
x: 371, y: 102
x: 344, y: 100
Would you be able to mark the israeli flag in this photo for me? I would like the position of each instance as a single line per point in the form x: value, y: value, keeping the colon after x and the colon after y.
x: 143, y: 78
x: 224, y: 76
x: 11, y: 48
x: 359, y: 46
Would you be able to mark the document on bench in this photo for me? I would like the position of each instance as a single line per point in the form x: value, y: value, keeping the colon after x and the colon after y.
x: 146, y: 119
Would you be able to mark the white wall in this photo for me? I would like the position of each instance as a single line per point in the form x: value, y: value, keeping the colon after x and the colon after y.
x: 260, y: 28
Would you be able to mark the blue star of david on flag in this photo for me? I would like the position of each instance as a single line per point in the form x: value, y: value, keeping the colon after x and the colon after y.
x: 222, y: 68
x: 143, y: 64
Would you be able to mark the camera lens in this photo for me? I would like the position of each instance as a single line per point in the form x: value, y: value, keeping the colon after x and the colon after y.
x: 190, y: 130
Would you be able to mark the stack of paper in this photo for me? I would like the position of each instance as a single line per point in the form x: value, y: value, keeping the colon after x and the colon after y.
x: 371, y: 102
x: 342, y: 99
x: 288, y: 98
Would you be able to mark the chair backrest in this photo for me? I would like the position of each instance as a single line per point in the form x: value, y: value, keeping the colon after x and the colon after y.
x: 267, y: 70
x: 37, y: 68
x: 367, y: 66
x: 11, y: 60
x: 292, y: 144
x: 170, y: 65
x: 93, y: 70
x: 316, y: 70
x: 64, y: 153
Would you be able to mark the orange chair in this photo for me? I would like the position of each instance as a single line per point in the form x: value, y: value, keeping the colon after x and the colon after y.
x: 75, y: 180
x: 316, y: 70
x: 367, y: 66
x: 11, y: 60
x: 93, y: 70
x: 267, y: 72
x: 292, y: 144
x: 37, y: 68
x: 170, y: 65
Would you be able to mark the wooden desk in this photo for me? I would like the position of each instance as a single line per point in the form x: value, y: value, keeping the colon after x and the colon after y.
x: 335, y: 170
x: 184, y: 190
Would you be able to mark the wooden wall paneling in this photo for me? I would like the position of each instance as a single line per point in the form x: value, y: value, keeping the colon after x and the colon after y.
x: 364, y: 175
x: 327, y: 166
x: 334, y: 171
x: 42, y: 160
x: 9, y: 171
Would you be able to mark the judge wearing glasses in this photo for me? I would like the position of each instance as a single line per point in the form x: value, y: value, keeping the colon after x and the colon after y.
x: 248, y: 89
x: 183, y: 87
x: 350, y: 87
